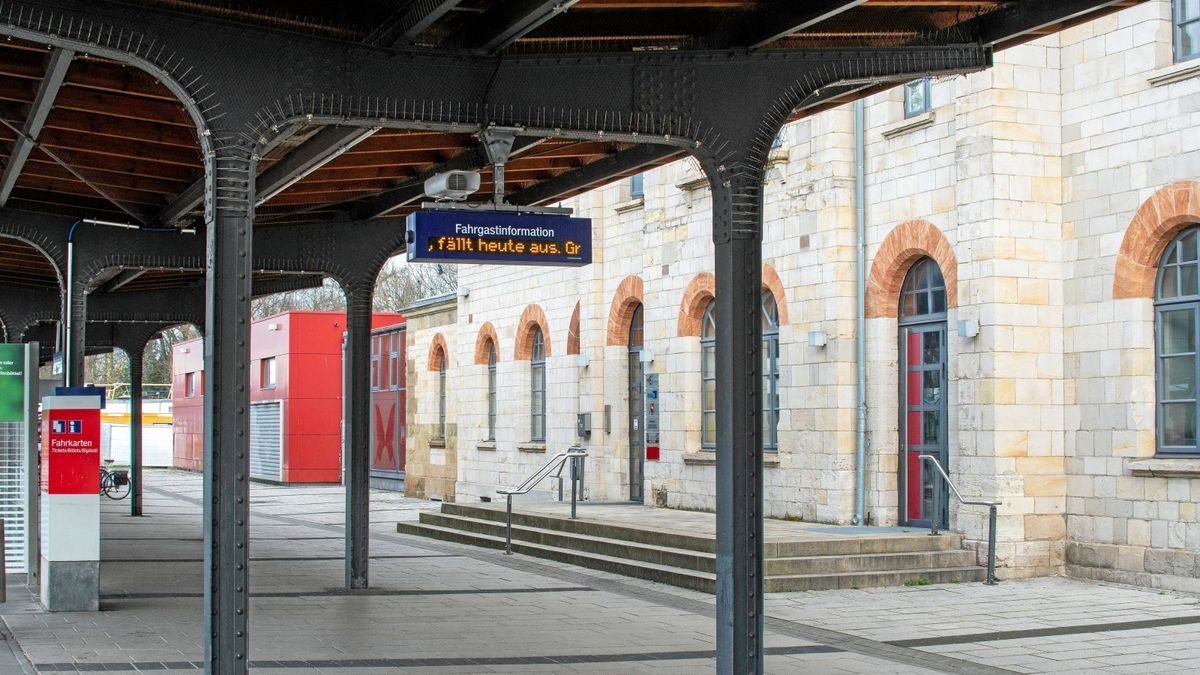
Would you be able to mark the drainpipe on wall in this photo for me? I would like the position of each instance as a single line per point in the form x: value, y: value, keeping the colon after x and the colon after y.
x: 860, y: 325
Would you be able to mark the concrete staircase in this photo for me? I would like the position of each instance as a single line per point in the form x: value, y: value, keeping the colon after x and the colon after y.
x: 688, y: 560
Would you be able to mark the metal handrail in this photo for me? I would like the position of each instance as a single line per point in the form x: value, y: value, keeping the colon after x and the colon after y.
x: 933, y: 518
x: 558, y: 461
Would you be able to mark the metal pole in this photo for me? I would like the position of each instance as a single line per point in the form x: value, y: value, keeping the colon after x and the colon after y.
x: 574, y: 484
x: 991, y: 567
x: 358, y: 452
x: 33, y: 472
x: 860, y: 318
x: 3, y: 567
x: 135, y: 354
x: 226, y: 436
x: 508, y: 529
x: 739, y: 480
x: 936, y: 515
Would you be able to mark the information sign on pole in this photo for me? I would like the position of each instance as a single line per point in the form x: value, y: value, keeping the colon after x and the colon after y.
x: 12, y: 383
x: 499, y: 237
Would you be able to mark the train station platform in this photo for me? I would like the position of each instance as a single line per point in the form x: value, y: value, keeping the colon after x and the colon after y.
x: 441, y: 607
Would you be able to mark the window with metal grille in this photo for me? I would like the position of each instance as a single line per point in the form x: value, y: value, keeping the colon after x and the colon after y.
x: 1177, y: 310
x: 441, y: 372
x: 708, y: 377
x: 770, y: 370
x: 537, y: 389
x: 1187, y: 29
x: 491, y: 390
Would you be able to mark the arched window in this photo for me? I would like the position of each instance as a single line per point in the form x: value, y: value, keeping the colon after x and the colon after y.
x: 770, y: 370
x: 708, y: 377
x: 1177, y: 306
x: 770, y: 374
x: 441, y: 371
x: 537, y: 370
x: 923, y: 296
x: 491, y: 390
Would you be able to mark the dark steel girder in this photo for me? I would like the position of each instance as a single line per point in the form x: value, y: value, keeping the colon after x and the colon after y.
x: 1020, y: 21
x: 323, y: 147
x: 121, y: 279
x: 410, y: 191
x: 780, y: 19
x: 596, y: 173
x: 407, y: 24
x: 508, y: 21
x: 43, y: 102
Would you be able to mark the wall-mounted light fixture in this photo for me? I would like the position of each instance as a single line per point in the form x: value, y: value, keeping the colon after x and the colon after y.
x: 968, y: 328
x: 817, y: 338
x: 582, y: 360
x: 463, y: 291
x: 272, y: 326
x: 645, y: 356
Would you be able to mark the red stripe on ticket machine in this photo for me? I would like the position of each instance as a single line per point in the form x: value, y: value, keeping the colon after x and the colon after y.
x: 71, y: 451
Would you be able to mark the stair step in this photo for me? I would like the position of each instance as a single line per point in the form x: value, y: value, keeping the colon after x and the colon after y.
x: 678, y: 540
x: 824, y: 582
x: 674, y: 576
x: 649, y: 553
x: 869, y: 562
x: 888, y: 543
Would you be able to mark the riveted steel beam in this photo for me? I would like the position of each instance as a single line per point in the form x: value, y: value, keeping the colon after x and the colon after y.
x: 780, y: 19
x: 323, y: 147
x: 593, y: 174
x: 407, y: 24
x: 119, y: 280
x: 43, y: 102
x: 739, y: 558
x: 507, y: 22
x: 1020, y: 21
x: 410, y: 191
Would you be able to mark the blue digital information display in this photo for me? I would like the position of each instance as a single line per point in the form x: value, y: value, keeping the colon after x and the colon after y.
x: 498, y: 237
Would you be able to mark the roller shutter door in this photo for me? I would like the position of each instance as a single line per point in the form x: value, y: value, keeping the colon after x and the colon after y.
x: 266, y: 440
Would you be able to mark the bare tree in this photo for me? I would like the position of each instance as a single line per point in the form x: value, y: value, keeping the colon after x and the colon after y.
x: 326, y: 297
x: 400, y: 283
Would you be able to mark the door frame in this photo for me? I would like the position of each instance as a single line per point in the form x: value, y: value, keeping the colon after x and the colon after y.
x: 943, y: 452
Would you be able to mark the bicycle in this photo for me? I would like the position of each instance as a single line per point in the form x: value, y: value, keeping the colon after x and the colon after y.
x: 114, y: 484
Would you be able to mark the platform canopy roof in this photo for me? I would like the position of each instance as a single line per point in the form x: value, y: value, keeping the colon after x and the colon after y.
x: 84, y: 136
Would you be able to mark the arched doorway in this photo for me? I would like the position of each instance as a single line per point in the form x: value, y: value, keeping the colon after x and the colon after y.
x: 637, y: 408
x: 924, y: 414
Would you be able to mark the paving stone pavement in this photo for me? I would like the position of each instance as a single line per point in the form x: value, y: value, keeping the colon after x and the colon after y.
x: 444, y: 608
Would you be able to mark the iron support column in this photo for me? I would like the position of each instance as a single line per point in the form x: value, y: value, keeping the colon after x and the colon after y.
x: 136, y: 355
x: 75, y: 338
x: 739, y: 438
x: 226, y: 429
x: 357, y: 455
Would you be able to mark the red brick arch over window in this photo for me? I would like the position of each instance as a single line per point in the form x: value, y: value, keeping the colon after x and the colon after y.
x: 771, y: 282
x: 620, y: 315
x: 908, y: 243
x: 487, y: 333
x: 437, y: 352
x: 573, y: 332
x: 703, y: 288
x: 1155, y: 224
x: 532, y: 316
x: 699, y: 292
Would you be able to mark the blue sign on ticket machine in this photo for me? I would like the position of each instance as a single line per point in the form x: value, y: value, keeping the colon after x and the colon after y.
x: 499, y: 237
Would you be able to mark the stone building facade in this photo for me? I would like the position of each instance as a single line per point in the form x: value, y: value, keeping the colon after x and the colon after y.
x: 1020, y: 213
x: 431, y: 444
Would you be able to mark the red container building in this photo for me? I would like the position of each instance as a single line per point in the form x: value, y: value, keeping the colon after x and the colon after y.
x: 295, y: 394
